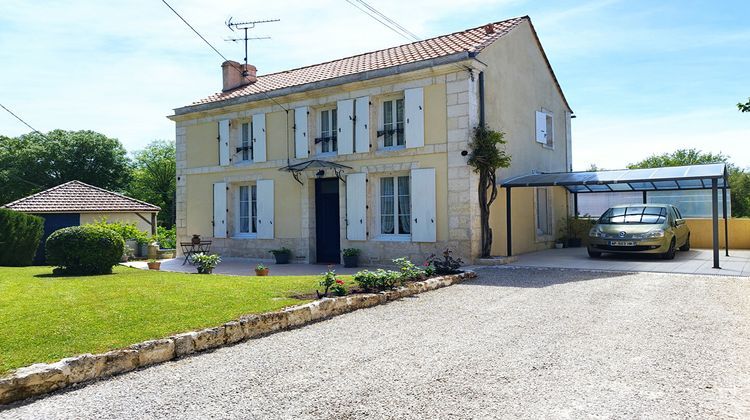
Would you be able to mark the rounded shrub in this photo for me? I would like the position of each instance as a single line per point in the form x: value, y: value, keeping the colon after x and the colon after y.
x: 85, y: 249
x: 20, y: 234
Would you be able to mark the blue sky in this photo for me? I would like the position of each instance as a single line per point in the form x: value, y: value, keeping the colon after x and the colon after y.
x: 642, y: 76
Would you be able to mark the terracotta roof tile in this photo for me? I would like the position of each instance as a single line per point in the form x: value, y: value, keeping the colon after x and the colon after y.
x: 470, y: 40
x: 75, y: 197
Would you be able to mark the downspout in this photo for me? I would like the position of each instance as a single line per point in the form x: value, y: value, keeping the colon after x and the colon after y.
x: 481, y: 99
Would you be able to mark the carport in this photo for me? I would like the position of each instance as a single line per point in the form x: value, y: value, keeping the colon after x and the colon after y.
x: 691, y: 177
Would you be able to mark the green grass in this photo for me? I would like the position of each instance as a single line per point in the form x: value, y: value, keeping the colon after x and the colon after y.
x: 45, y: 318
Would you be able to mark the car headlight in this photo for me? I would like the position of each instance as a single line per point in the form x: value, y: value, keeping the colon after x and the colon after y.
x: 656, y: 233
x: 595, y: 233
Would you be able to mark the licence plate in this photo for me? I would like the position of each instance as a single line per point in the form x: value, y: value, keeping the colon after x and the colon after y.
x: 621, y: 243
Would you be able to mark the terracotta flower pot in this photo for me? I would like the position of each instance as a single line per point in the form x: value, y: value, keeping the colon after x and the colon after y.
x: 263, y: 272
x: 154, y: 265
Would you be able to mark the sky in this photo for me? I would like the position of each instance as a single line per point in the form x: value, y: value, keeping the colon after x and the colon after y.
x: 642, y: 76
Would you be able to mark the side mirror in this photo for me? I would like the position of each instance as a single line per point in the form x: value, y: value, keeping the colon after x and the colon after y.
x: 680, y: 222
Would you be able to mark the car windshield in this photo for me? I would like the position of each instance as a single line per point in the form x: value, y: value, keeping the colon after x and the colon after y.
x: 634, y: 215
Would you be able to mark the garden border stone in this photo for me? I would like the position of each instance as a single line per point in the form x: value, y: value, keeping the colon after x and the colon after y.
x: 42, y: 378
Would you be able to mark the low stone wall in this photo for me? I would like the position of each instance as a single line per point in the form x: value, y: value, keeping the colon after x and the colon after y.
x: 43, y: 378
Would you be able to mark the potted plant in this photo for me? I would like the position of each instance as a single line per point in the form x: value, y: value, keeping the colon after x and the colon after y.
x: 281, y: 255
x: 261, y: 270
x: 560, y: 243
x: 206, y: 263
x: 153, y: 264
x: 351, y: 257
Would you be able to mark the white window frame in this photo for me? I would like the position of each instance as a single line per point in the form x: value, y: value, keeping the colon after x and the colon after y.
x: 240, y: 142
x: 542, y: 236
x: 403, y: 237
x: 549, y: 131
x: 394, y: 115
x: 237, y: 207
x: 331, y: 114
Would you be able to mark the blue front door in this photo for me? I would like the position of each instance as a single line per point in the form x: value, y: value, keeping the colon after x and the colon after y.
x: 53, y: 222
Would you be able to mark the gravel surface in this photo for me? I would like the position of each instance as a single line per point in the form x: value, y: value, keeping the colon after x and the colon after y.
x: 512, y: 343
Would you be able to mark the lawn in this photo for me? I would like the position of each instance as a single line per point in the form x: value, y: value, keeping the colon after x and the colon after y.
x: 45, y: 318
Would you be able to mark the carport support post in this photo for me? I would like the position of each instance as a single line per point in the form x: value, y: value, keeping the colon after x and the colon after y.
x: 726, y: 222
x: 715, y: 218
x: 508, y: 222
x: 575, y: 205
x: 645, y: 197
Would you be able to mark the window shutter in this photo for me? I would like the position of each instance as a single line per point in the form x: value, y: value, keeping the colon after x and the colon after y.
x: 220, y: 210
x: 345, y: 120
x: 224, y: 142
x: 356, y: 207
x: 423, y: 205
x: 265, y: 208
x: 259, y: 138
x: 301, y: 142
x: 541, y: 127
x: 414, y: 115
x: 362, y: 125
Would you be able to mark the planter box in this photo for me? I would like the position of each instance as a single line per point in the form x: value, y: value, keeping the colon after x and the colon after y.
x: 281, y: 258
x: 351, y: 261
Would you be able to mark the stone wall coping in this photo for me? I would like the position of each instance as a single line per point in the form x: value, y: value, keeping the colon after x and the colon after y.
x: 43, y: 378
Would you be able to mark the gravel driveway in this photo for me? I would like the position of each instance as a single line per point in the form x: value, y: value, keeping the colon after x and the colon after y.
x: 513, y: 343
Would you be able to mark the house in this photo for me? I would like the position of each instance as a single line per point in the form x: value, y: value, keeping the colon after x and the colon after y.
x: 370, y: 151
x: 76, y: 203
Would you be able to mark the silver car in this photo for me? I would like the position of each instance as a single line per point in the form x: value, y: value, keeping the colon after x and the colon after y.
x: 640, y: 228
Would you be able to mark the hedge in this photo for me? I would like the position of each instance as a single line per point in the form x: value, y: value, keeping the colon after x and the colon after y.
x: 20, y: 234
x: 82, y: 250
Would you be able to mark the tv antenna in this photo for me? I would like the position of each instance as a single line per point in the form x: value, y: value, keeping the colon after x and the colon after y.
x: 245, y: 26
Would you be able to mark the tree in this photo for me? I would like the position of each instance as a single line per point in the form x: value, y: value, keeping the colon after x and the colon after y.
x: 153, y: 180
x: 739, y: 179
x: 34, y: 162
x: 744, y: 107
x: 486, y: 158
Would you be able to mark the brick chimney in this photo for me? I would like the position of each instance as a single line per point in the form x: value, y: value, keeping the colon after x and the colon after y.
x: 232, y: 75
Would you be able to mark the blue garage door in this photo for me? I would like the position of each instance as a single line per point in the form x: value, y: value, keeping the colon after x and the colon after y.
x: 53, y: 222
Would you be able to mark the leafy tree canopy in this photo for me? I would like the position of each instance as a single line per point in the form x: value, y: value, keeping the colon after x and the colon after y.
x: 744, y: 107
x: 739, y: 179
x: 153, y: 178
x: 34, y: 162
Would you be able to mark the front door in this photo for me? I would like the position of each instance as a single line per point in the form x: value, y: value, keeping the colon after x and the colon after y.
x: 327, y: 240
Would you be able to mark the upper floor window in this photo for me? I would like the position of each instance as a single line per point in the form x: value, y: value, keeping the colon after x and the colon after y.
x: 246, y: 143
x: 395, y: 206
x: 393, y: 123
x: 328, y: 129
x: 545, y: 128
x: 248, y: 209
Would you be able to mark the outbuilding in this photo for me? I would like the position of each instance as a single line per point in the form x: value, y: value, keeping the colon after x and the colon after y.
x: 76, y: 203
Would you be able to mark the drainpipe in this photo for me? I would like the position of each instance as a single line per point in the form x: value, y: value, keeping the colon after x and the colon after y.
x: 481, y: 99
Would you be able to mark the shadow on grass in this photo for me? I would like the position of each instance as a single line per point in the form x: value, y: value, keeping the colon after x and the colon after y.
x: 55, y: 275
x: 533, y: 277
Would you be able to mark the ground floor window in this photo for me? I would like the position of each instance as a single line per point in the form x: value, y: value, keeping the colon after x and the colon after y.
x: 248, y: 209
x: 395, y: 206
x: 542, y: 212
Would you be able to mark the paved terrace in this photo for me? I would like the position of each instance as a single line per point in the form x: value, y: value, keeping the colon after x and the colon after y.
x: 696, y: 261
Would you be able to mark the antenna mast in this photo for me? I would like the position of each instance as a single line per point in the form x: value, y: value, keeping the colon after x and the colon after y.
x: 245, y: 26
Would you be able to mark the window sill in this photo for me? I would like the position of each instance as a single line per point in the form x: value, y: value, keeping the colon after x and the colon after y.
x: 327, y: 154
x: 245, y: 236
x: 393, y: 238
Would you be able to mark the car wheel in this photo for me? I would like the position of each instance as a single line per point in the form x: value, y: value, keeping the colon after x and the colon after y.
x: 669, y: 255
x: 594, y: 254
x: 686, y: 246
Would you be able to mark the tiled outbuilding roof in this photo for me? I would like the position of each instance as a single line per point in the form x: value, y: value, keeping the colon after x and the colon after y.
x: 469, y: 41
x: 79, y: 197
